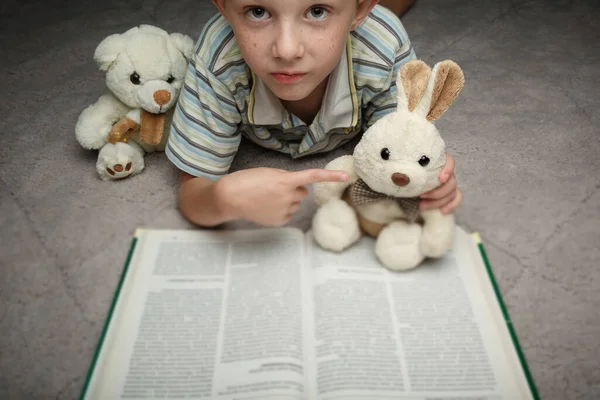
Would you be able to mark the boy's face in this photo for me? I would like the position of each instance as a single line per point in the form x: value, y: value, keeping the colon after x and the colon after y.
x: 293, y: 45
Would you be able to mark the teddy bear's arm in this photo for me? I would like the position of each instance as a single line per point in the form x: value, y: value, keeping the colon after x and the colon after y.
x: 96, y: 121
x: 122, y: 130
x: 325, y: 191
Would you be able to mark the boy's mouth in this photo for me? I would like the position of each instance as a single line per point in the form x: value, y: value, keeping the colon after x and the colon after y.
x: 283, y: 77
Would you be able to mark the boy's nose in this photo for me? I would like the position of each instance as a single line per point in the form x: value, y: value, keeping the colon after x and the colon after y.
x: 288, y: 45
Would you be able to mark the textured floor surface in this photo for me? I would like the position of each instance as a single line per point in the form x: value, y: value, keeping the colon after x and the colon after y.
x: 525, y: 134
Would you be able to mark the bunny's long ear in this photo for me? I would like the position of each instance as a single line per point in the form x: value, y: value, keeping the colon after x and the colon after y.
x: 411, y: 84
x: 446, y: 82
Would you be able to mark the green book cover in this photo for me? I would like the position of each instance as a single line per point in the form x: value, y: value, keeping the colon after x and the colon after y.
x: 507, y: 319
x: 109, y: 316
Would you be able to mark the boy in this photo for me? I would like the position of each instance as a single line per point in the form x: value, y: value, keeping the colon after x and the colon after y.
x: 296, y: 76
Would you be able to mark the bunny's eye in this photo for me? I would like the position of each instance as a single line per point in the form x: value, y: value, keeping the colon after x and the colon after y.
x: 424, y: 161
x: 170, y: 79
x: 134, y: 78
x: 385, y: 153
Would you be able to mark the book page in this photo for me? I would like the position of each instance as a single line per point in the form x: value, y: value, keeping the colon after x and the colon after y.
x: 208, y: 315
x: 427, y: 333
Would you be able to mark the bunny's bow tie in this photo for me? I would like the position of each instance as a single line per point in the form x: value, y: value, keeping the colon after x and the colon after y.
x: 361, y: 193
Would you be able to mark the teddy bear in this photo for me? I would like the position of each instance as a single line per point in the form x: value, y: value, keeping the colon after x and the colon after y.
x: 145, y: 68
x: 396, y: 160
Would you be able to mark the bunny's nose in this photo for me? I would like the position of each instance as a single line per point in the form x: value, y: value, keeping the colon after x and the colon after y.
x: 400, y: 179
x: 162, y: 97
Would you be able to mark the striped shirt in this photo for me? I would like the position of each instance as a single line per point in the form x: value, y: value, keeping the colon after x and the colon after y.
x: 222, y: 99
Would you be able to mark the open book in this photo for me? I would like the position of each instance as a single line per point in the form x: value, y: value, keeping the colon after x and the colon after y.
x: 267, y: 314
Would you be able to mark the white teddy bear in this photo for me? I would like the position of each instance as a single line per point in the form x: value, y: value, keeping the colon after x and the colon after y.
x: 397, y: 159
x: 145, y: 67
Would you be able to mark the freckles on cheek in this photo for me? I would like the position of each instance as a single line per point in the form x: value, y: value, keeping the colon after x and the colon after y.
x: 329, y: 45
x: 246, y: 40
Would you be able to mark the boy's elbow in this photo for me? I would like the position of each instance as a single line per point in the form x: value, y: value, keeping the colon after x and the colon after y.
x: 184, y: 177
x: 194, y: 203
x: 194, y: 214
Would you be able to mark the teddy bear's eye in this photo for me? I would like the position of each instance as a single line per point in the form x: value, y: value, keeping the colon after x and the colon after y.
x: 385, y: 153
x: 134, y: 78
x: 170, y: 79
x: 424, y: 161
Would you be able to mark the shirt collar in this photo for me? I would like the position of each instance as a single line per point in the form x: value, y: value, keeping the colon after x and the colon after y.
x: 339, y: 108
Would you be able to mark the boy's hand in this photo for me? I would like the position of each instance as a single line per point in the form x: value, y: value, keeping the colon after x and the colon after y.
x: 446, y: 197
x: 268, y: 196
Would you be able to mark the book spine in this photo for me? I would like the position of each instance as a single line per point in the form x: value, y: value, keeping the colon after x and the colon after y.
x: 108, y: 319
x: 507, y: 319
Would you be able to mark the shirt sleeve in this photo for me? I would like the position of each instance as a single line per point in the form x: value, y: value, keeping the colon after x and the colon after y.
x: 386, y: 101
x: 204, y: 135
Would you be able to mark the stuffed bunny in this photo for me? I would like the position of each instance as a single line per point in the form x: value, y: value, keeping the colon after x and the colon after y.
x: 397, y: 159
x: 145, y: 67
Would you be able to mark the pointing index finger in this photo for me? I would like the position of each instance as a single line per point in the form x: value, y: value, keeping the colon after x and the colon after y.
x: 315, y: 175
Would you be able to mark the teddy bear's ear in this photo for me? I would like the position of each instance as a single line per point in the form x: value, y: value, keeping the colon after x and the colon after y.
x: 183, y: 43
x: 446, y: 82
x: 107, y: 51
x: 411, y: 84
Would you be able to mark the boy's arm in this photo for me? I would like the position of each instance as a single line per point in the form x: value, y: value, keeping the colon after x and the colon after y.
x: 203, y: 140
x: 204, y: 134
x: 266, y: 196
x: 198, y: 201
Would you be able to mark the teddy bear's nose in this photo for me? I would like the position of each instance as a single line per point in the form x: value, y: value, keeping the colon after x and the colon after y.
x: 400, y: 179
x: 162, y: 97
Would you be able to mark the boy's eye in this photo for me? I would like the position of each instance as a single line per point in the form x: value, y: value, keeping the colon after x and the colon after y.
x: 317, y: 13
x: 257, y: 13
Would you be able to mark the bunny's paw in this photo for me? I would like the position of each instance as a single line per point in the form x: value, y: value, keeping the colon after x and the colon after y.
x: 437, y: 235
x: 397, y: 246
x: 335, y: 226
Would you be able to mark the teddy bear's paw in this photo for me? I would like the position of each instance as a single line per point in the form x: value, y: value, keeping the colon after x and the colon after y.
x: 437, y: 236
x: 397, y: 246
x: 119, y: 161
x: 335, y: 226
